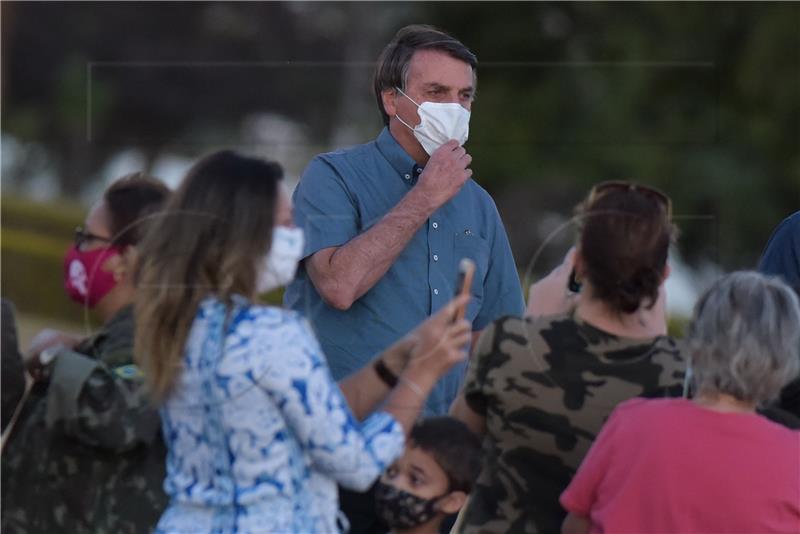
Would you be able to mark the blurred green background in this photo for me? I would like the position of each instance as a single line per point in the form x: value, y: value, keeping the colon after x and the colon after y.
x: 699, y: 99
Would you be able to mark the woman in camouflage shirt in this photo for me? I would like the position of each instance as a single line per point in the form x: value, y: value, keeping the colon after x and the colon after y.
x: 539, y: 388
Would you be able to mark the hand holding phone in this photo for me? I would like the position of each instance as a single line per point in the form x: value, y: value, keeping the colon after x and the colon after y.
x: 573, y: 285
x: 557, y: 292
x: 466, y: 271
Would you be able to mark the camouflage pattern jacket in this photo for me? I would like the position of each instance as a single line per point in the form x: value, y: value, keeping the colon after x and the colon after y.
x: 13, y: 370
x: 87, y: 454
x: 546, y: 386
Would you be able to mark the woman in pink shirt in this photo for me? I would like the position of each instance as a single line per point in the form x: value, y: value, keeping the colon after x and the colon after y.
x: 710, y: 464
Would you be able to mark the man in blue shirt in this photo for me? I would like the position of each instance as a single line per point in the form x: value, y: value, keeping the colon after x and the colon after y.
x: 388, y: 222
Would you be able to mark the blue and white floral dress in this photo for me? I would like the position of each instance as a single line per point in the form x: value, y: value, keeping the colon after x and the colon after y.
x: 258, y: 432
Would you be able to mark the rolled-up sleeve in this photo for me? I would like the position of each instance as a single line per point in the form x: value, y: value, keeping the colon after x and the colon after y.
x: 324, y: 207
x: 301, y: 385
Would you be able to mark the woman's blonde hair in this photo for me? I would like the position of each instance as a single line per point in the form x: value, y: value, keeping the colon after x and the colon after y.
x: 212, y: 235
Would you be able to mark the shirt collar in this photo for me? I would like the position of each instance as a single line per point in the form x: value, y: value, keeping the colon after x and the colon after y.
x: 119, y: 325
x: 122, y: 318
x: 398, y: 158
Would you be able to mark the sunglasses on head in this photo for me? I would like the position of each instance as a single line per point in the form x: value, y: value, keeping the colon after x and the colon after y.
x: 82, y: 237
x: 605, y: 188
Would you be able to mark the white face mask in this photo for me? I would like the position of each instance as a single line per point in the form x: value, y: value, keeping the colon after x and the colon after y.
x: 439, y: 122
x: 281, y: 261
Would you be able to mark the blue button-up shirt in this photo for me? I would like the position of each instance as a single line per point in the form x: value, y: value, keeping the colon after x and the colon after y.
x: 343, y: 194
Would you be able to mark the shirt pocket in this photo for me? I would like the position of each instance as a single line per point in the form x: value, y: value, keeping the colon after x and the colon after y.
x: 476, y: 248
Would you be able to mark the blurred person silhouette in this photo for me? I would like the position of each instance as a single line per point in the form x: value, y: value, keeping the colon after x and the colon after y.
x: 257, y: 430
x: 86, y: 454
x: 711, y: 464
x: 539, y: 387
x: 781, y: 257
x: 13, y: 369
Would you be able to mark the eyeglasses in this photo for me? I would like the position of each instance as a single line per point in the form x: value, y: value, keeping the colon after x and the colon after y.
x: 82, y: 237
x: 604, y: 188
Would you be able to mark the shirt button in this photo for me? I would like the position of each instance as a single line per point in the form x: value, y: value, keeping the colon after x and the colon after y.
x: 435, y: 257
x: 407, y: 177
x: 435, y: 225
x: 435, y: 291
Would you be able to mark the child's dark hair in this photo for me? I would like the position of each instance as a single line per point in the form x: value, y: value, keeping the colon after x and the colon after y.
x: 454, y: 447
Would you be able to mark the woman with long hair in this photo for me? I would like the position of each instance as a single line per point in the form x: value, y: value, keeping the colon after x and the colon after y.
x: 539, y: 387
x: 258, y: 432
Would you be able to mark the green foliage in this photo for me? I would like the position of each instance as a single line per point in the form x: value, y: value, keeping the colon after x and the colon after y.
x: 698, y: 99
x: 33, y: 238
x: 55, y: 220
x: 677, y: 325
x: 273, y: 298
x: 32, y: 244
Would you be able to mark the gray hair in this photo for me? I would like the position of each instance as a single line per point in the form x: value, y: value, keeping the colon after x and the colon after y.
x: 744, y: 338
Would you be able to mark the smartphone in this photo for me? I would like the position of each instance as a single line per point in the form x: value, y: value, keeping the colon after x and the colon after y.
x: 466, y: 271
x: 573, y: 285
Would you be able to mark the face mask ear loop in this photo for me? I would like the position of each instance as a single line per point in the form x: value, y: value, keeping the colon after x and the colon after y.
x: 404, y: 123
x: 405, y: 95
x: 416, y: 131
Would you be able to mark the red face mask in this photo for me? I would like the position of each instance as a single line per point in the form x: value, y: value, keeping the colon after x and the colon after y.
x: 85, y: 281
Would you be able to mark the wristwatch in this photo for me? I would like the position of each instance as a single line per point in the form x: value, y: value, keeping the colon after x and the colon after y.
x: 385, y: 374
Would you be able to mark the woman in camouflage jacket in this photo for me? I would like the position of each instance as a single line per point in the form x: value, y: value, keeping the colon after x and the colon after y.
x: 86, y: 454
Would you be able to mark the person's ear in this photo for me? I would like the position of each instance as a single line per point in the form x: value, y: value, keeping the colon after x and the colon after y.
x: 115, y: 265
x: 389, y: 99
x: 452, y: 502
x: 667, y: 272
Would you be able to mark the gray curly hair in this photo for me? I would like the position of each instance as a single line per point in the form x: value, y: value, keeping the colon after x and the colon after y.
x: 744, y: 338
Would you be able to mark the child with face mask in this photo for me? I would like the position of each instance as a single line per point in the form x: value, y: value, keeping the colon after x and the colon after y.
x: 432, y: 479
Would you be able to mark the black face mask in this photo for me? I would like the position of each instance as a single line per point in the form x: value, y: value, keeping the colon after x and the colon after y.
x: 400, y: 509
